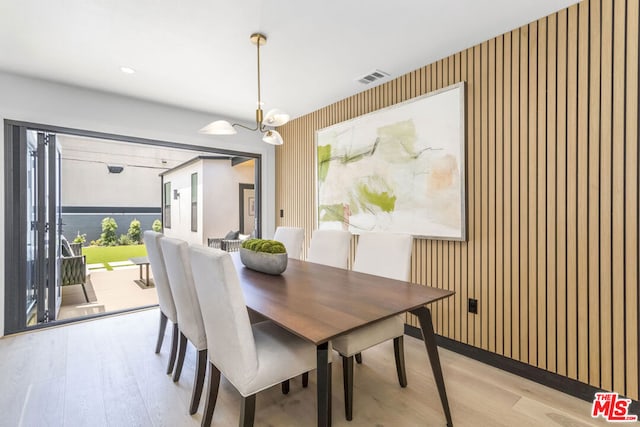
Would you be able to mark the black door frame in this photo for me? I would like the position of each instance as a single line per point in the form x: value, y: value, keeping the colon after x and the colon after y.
x: 15, y: 203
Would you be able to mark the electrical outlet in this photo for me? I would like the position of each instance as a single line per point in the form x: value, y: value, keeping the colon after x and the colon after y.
x: 473, y: 305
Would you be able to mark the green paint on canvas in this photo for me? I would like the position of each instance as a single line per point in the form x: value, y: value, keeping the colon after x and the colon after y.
x: 383, y: 200
x: 331, y: 213
x: 324, y: 160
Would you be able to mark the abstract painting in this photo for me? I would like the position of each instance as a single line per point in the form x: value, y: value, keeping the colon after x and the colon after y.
x: 399, y: 169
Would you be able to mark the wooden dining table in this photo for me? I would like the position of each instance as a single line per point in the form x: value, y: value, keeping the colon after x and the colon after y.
x: 319, y: 303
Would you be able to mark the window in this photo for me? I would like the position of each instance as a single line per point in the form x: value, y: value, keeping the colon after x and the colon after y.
x: 194, y: 202
x: 167, y: 205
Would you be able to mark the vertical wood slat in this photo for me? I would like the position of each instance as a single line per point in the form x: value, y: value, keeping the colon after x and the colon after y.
x: 594, y: 193
x: 552, y: 192
x: 477, y: 181
x: 532, y: 182
x: 485, y: 257
x: 515, y: 194
x: 606, y: 103
x: 499, y: 198
x: 541, y: 226
x: 582, y: 191
x: 631, y: 202
x: 561, y: 195
x: 572, y: 237
x: 524, y: 191
x: 507, y: 183
x: 491, y: 208
x: 618, y: 237
x: 552, y: 325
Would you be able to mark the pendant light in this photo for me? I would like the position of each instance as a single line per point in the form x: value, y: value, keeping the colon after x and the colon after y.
x: 273, y: 118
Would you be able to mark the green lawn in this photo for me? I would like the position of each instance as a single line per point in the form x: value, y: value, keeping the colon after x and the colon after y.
x: 104, y: 254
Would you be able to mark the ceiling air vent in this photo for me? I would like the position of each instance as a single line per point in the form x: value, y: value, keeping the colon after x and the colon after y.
x: 374, y: 76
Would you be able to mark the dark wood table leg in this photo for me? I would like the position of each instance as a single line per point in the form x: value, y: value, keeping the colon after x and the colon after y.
x: 147, y: 276
x: 140, y: 266
x: 324, y: 385
x: 424, y: 316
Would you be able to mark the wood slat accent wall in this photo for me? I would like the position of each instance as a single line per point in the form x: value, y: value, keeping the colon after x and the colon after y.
x: 552, y: 192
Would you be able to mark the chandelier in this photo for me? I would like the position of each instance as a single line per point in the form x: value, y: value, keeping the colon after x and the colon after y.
x: 273, y: 117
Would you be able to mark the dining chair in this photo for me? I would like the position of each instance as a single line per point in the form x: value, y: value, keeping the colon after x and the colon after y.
x: 165, y: 297
x: 176, y: 255
x: 292, y: 239
x: 330, y: 247
x: 251, y: 357
x: 387, y: 255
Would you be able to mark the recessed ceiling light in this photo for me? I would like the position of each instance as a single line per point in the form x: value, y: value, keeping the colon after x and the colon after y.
x: 127, y: 70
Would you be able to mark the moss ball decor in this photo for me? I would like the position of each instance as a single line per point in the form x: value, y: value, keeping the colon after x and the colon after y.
x: 264, y: 245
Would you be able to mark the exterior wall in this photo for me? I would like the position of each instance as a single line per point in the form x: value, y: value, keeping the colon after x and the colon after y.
x: 218, y: 198
x: 181, y: 207
x: 552, y: 192
x: 37, y: 101
x: 221, y: 198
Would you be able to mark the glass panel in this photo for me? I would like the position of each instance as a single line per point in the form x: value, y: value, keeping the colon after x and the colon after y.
x: 31, y: 229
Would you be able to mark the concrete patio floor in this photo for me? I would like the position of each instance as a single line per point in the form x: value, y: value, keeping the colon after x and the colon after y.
x: 108, y: 291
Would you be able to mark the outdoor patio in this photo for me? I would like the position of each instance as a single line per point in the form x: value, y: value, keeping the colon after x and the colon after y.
x: 108, y: 291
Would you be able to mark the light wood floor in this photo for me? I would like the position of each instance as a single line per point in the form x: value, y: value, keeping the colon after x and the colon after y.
x: 104, y: 373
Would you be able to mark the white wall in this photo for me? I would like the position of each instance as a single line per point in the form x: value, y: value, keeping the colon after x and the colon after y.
x: 218, y: 198
x: 180, y: 180
x: 221, y: 185
x: 88, y: 184
x: 38, y: 101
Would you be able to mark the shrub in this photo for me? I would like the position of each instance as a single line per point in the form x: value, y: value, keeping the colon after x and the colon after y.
x: 80, y: 238
x: 125, y: 240
x: 157, y: 226
x: 134, y: 232
x: 263, y: 245
x: 109, y: 236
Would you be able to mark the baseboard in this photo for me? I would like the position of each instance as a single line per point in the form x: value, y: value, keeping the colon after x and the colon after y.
x: 558, y: 382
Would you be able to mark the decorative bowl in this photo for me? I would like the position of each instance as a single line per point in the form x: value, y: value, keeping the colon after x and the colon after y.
x: 264, y: 262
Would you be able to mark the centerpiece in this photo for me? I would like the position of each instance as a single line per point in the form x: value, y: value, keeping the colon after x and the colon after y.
x: 265, y: 256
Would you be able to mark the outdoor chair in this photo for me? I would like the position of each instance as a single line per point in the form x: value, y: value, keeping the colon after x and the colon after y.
x: 73, y: 266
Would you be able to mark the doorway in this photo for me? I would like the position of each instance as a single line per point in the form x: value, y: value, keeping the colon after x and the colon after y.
x: 38, y: 215
x: 247, y: 209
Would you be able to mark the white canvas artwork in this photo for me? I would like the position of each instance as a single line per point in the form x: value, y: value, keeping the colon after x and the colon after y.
x: 400, y: 169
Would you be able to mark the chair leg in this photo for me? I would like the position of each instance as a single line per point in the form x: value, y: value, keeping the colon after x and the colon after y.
x: 181, y: 352
x: 84, y: 290
x: 212, y: 395
x: 398, y: 349
x: 347, y: 380
x: 305, y: 379
x: 285, y: 386
x: 163, y: 327
x: 198, y: 381
x: 248, y: 411
x: 174, y: 349
x: 359, y: 358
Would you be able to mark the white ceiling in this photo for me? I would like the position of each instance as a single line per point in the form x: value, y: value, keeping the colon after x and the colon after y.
x: 196, y: 53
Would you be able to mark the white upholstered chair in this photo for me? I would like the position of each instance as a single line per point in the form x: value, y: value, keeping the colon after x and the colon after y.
x: 292, y: 239
x: 165, y: 297
x: 176, y: 255
x: 252, y: 357
x: 387, y: 255
x: 330, y: 247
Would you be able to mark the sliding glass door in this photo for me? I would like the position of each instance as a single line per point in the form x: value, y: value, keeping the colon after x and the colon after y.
x: 32, y: 273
